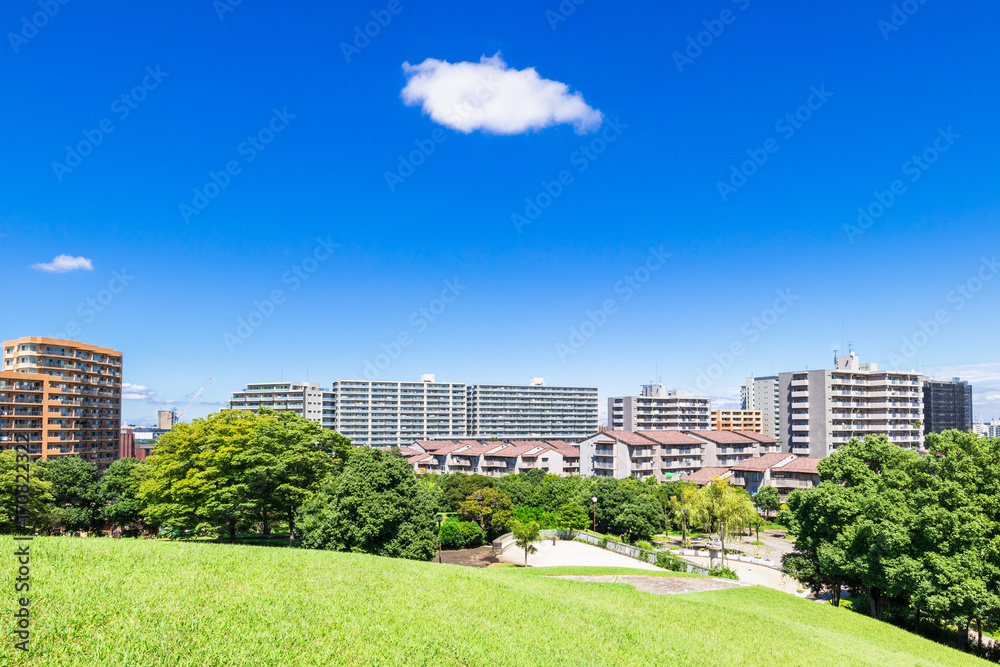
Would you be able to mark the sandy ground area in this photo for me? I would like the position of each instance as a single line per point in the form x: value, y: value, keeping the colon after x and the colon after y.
x: 572, y: 553
x: 662, y: 585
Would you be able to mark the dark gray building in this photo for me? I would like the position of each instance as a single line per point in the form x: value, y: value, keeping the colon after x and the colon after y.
x: 947, y: 405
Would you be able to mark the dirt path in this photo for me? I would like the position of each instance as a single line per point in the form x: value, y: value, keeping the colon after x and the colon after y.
x: 661, y: 585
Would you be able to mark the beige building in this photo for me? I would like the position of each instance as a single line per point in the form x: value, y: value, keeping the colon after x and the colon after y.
x: 493, y: 458
x: 738, y: 420
x: 785, y: 472
x: 165, y: 419
x: 656, y: 409
x: 666, y: 454
x: 63, y: 397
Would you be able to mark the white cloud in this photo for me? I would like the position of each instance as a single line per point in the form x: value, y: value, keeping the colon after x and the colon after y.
x: 493, y: 98
x: 64, y: 264
x: 137, y: 392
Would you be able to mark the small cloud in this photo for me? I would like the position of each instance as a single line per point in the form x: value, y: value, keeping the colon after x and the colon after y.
x: 493, y: 98
x: 65, y: 264
x: 137, y: 392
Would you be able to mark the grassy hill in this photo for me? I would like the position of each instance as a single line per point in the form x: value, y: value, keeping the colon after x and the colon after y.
x: 145, y: 603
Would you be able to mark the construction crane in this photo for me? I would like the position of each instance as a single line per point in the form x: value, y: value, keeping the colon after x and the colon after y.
x: 193, y: 398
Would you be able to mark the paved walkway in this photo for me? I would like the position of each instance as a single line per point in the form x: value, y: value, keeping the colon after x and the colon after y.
x: 662, y: 585
x: 572, y: 553
x: 757, y: 575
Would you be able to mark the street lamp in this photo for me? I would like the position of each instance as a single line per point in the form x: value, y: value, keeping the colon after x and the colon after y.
x: 440, y: 518
x: 594, y: 500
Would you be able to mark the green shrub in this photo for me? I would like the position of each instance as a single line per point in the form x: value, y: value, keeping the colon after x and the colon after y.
x: 670, y: 561
x: 724, y: 572
x: 457, y: 534
x: 644, y: 544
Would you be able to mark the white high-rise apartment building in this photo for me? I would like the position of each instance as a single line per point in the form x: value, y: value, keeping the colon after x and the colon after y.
x: 303, y: 398
x: 764, y: 394
x: 387, y: 414
x: 657, y: 409
x: 824, y: 409
x: 533, y: 411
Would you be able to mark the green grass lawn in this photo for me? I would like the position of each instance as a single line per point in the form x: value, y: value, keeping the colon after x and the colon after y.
x: 117, y: 603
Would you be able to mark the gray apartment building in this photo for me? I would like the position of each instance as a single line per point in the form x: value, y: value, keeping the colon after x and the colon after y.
x: 824, y: 409
x: 947, y: 405
x: 764, y: 394
x: 656, y: 409
x: 534, y: 411
x: 303, y: 398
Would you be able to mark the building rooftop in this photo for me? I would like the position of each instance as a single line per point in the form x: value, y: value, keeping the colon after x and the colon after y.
x: 706, y: 475
x: 669, y: 437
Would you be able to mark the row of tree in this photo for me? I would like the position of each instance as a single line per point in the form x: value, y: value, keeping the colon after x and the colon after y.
x: 916, y: 536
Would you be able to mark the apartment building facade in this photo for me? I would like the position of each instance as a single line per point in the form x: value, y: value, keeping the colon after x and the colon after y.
x: 785, y: 472
x: 392, y: 414
x: 668, y: 454
x: 656, y: 408
x: 947, y: 406
x: 493, y: 458
x: 737, y: 420
x: 305, y: 399
x: 764, y: 394
x: 64, y: 397
x: 531, y: 411
x: 822, y: 410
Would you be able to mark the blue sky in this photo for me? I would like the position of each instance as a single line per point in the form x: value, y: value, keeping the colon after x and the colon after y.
x: 391, y: 247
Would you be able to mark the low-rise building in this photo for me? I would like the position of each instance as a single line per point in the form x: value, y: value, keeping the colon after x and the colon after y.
x: 785, y: 472
x: 493, y: 458
x: 667, y: 454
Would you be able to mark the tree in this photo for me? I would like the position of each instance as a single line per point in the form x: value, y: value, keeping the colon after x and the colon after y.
x: 118, y: 491
x: 236, y: 467
x: 729, y: 507
x: 525, y: 535
x: 74, y: 493
x: 685, y: 507
x: 12, y: 484
x: 459, y: 486
x: 491, y: 509
x: 286, y: 463
x: 767, y: 500
x: 573, y: 517
x: 375, y: 506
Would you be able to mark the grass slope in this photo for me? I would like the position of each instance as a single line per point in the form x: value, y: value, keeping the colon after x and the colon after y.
x: 143, y: 603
